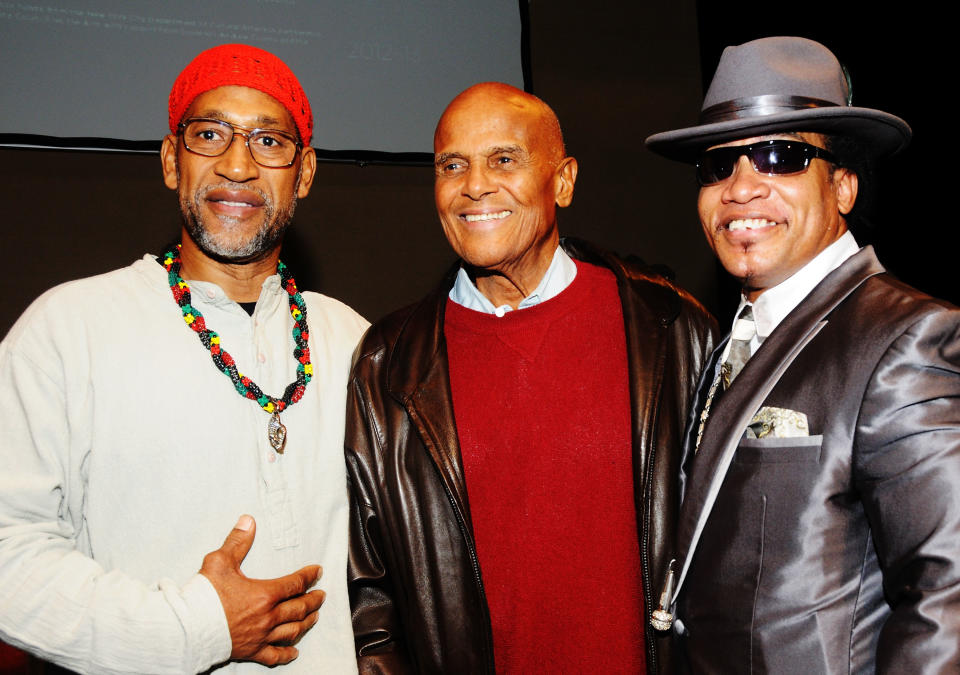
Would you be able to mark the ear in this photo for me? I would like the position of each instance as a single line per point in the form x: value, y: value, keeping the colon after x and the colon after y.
x: 845, y: 183
x: 168, y: 161
x: 566, y: 176
x: 308, y: 168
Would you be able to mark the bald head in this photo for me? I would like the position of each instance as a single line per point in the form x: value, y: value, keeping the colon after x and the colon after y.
x: 493, y: 99
x: 501, y: 173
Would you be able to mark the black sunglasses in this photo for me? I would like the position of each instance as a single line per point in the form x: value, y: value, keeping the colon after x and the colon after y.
x: 773, y: 158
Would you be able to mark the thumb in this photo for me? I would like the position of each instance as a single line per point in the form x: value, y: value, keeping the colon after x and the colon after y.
x: 240, y: 539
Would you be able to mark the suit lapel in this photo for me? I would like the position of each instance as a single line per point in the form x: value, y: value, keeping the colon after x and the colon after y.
x: 733, y: 410
x: 693, y: 418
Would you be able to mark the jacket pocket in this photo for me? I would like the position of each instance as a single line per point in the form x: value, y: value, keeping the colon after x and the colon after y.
x: 779, y: 450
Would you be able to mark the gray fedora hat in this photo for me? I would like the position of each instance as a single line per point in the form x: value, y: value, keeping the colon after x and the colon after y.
x: 778, y: 85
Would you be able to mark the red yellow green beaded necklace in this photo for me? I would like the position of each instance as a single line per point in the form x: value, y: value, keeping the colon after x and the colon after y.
x: 276, y: 432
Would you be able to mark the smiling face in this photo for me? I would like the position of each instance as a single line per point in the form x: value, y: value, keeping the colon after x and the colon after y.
x: 500, y: 174
x: 235, y: 210
x: 765, y: 228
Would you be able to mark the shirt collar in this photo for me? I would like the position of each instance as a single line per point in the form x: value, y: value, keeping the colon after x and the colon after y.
x: 559, y: 275
x: 775, y: 303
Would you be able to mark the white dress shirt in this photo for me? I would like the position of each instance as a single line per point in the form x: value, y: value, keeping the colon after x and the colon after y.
x: 774, y: 304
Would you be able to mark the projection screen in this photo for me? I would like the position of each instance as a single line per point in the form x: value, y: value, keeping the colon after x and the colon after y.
x: 97, y: 73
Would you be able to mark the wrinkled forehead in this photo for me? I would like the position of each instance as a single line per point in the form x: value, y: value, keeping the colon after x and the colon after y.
x: 478, y: 123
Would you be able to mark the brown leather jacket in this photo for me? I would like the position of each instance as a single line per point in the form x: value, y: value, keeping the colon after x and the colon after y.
x: 416, y: 587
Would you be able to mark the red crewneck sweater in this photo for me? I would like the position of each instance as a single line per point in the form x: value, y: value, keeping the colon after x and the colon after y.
x: 542, y: 408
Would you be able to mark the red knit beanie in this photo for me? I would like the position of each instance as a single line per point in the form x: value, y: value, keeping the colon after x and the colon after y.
x: 244, y: 66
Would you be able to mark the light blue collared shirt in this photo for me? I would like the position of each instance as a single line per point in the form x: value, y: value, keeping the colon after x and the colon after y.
x: 559, y: 275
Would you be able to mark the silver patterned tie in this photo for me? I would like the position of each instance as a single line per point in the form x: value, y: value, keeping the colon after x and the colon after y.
x: 743, y: 331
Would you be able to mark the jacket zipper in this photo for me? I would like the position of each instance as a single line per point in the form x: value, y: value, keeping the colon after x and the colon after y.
x: 461, y: 523
x: 475, y: 564
x: 645, y: 547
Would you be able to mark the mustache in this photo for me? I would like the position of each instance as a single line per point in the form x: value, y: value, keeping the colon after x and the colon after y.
x: 202, y: 192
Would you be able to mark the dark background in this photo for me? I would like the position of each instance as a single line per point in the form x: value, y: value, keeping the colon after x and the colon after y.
x: 615, y: 73
x: 899, y: 62
x: 369, y: 235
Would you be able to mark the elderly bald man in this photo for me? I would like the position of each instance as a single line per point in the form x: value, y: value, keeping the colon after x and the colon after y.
x: 513, y: 437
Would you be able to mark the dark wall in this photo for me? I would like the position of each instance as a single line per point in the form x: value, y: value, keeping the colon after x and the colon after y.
x: 365, y: 235
x: 370, y: 236
x: 899, y: 60
x: 615, y: 76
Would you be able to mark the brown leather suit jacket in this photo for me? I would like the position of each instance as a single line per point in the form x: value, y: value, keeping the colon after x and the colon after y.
x: 416, y: 587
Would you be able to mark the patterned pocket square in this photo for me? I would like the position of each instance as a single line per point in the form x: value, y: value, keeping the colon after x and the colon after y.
x: 770, y: 422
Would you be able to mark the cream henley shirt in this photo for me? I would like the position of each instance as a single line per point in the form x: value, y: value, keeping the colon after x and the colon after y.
x: 126, y: 456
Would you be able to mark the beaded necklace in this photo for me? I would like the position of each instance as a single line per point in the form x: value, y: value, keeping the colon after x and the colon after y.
x: 276, y: 432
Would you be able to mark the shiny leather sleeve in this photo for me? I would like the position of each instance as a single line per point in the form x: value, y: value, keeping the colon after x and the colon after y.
x: 375, y: 623
x: 907, y: 455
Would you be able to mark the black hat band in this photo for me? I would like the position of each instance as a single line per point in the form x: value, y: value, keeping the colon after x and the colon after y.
x: 759, y: 106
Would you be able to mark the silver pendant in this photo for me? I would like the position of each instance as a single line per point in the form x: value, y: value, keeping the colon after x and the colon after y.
x: 276, y: 433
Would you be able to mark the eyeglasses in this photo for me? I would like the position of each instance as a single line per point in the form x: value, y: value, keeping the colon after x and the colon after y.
x: 773, y: 158
x: 211, y: 138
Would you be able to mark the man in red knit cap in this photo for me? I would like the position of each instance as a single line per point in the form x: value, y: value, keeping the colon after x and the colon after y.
x: 125, y: 450
x: 513, y: 438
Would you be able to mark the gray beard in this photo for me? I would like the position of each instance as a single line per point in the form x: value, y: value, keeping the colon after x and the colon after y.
x: 223, y: 247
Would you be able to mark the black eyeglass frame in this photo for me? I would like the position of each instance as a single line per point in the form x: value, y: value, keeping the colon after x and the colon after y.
x: 247, y: 133
x: 757, y: 152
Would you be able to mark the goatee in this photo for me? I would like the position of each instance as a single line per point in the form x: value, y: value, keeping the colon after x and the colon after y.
x: 227, y: 245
